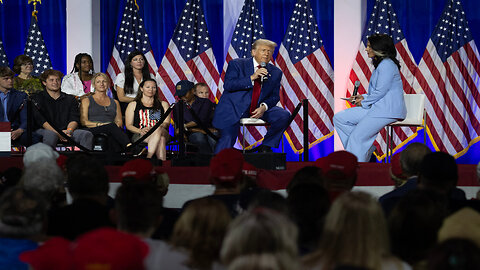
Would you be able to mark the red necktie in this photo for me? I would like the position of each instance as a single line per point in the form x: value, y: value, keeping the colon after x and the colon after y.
x: 257, y: 87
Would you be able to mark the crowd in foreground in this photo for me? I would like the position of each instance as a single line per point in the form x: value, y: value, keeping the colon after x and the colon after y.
x: 426, y: 222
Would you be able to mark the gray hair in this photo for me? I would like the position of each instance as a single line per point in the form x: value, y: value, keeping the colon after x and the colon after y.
x: 43, y: 175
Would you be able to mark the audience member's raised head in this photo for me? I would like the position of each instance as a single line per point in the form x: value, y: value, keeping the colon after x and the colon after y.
x: 261, y: 231
x: 86, y: 177
x: 339, y: 170
x: 38, y: 152
x: 45, y: 176
x: 138, y: 208
x: 414, y: 223
x: 201, y: 90
x: 200, y: 230
x: 455, y: 254
x: 226, y: 168
x: 438, y: 171
x: 22, y: 213
x: 50, y: 74
x: 355, y: 234
x: 465, y: 223
x: 308, y: 204
x: 6, y: 72
x: 83, y: 63
x: 411, y: 158
x: 307, y: 174
x: 22, y: 60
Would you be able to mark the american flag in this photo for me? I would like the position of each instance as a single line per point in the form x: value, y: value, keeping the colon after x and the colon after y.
x: 247, y: 29
x: 131, y: 36
x: 383, y: 20
x: 449, y: 74
x: 3, y: 56
x: 307, y: 74
x: 189, y: 55
x: 35, y: 48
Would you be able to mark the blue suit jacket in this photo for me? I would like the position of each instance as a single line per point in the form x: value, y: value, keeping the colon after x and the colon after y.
x: 238, y: 87
x: 385, y: 92
x: 15, y: 101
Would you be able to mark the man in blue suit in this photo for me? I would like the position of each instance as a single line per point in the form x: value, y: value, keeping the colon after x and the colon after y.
x: 13, y: 107
x: 251, y: 89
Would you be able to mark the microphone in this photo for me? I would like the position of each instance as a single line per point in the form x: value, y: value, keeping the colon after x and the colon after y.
x: 355, y: 90
x: 263, y: 78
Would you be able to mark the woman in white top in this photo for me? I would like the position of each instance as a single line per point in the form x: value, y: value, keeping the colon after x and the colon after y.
x: 136, y: 70
x: 79, y: 82
x: 354, y: 234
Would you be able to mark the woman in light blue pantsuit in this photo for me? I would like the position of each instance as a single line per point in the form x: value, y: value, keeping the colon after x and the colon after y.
x: 358, y: 126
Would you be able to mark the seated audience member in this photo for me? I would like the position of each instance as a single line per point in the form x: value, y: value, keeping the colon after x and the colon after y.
x: 414, y: 224
x: 308, y: 205
x: 307, y: 174
x: 339, y: 171
x: 226, y: 175
x: 141, y: 170
x: 13, y: 108
x: 25, y: 81
x: 199, y: 233
x: 127, y: 83
x: 201, y: 90
x: 22, y: 216
x: 87, y: 183
x: 203, y: 108
x: 261, y: 232
x: 354, y: 234
x: 61, y: 109
x: 39, y: 151
x: 100, y: 249
x: 396, y: 173
x: 138, y: 208
x: 102, y: 114
x: 79, y: 82
x: 410, y: 162
x: 143, y: 113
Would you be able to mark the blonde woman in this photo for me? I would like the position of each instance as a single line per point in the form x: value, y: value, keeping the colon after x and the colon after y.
x: 199, y: 232
x: 261, y: 231
x: 102, y: 114
x: 354, y: 234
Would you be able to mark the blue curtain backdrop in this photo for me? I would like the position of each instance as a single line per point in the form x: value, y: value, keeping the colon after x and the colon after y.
x: 15, y: 18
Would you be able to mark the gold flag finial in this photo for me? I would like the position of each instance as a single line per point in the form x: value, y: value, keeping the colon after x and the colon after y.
x: 34, y: 12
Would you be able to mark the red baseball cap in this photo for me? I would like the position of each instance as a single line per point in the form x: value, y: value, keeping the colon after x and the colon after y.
x: 227, y: 165
x: 109, y: 249
x: 140, y: 169
x: 342, y: 161
x: 54, y: 254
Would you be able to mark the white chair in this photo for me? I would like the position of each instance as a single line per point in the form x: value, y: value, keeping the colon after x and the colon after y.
x: 244, y: 122
x: 416, y: 117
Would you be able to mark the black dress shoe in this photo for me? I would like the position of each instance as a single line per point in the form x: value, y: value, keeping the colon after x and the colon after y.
x: 264, y: 149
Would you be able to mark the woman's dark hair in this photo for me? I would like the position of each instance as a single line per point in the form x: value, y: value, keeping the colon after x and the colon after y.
x: 128, y: 86
x: 19, y: 61
x: 383, y: 47
x: 77, y: 63
x: 157, y: 104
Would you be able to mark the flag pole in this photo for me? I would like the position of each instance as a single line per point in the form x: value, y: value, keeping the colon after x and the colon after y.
x: 35, y: 11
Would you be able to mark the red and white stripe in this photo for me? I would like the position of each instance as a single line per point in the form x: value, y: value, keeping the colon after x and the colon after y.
x: 312, y: 79
x: 362, y: 71
x: 202, y: 68
x: 453, y: 97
